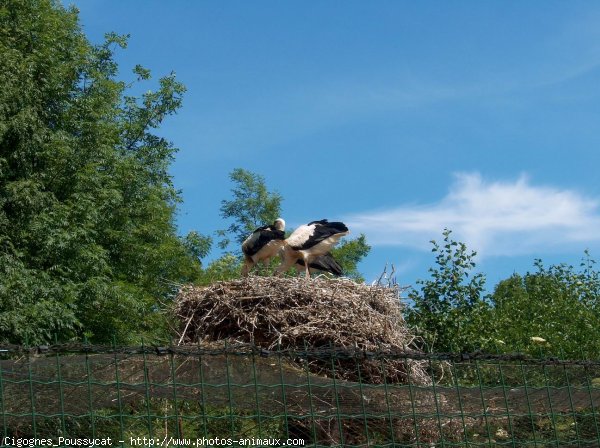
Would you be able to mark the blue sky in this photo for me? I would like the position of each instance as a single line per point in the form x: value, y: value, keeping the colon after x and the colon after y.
x: 398, y: 117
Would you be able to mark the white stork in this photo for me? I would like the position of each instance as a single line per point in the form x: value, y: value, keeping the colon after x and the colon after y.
x: 323, y: 263
x: 310, y: 241
x: 263, y: 244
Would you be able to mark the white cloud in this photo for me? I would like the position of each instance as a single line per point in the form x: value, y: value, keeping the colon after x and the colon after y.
x: 494, y: 218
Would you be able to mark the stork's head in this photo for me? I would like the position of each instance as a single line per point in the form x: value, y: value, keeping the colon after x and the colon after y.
x: 279, y: 224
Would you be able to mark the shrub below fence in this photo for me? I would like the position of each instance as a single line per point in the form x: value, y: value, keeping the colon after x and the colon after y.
x: 245, y: 392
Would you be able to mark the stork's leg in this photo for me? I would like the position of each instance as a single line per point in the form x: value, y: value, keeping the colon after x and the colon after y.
x: 281, y: 254
x: 265, y: 264
x: 306, y: 261
x: 288, y: 260
x: 248, y: 263
x: 245, y: 269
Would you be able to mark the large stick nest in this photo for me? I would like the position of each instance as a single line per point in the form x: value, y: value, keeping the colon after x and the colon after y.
x: 296, y: 313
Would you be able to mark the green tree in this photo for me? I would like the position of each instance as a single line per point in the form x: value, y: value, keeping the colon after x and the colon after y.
x: 226, y: 267
x: 252, y: 206
x: 449, y: 308
x: 197, y: 245
x: 87, y: 235
x: 350, y: 253
x: 558, y: 304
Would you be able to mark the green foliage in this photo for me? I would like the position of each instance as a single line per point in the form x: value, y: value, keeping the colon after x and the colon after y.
x: 558, y: 304
x: 224, y: 268
x: 252, y: 206
x: 552, y: 311
x: 87, y: 234
x: 449, y: 308
x: 197, y: 245
x: 350, y: 253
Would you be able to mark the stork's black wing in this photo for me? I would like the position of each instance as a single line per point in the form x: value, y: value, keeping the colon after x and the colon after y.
x: 339, y: 226
x: 322, y: 230
x: 263, y: 236
x: 322, y: 222
x: 324, y: 263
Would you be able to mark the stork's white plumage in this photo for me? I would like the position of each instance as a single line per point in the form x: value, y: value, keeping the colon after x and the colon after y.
x: 310, y: 241
x: 263, y: 244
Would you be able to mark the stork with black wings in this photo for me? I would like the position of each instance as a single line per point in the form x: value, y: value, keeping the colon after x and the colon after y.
x: 310, y: 241
x: 263, y: 244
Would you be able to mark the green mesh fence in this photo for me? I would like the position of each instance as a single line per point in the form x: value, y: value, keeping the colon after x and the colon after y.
x: 243, y: 396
